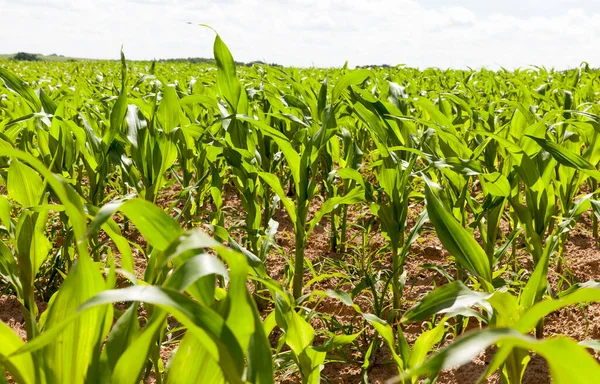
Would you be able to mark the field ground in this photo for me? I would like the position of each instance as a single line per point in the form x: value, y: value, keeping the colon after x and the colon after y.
x: 581, y: 323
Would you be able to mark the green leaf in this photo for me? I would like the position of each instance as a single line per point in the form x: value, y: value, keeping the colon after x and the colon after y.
x: 169, y: 109
x: 131, y: 363
x: 9, y: 268
x: 354, y: 196
x: 193, y: 364
x: 158, y: 228
x: 121, y: 335
x: 299, y: 333
x: 495, y: 184
x: 117, y: 116
x: 425, y: 343
x: 5, y: 207
x: 537, y: 283
x: 457, y: 240
x: 227, y: 81
x: 386, y: 332
x: 546, y: 307
x: 73, y: 350
x: 523, y: 163
x: 47, y: 103
x: 32, y: 245
x: 20, y: 367
x: 193, y: 269
x: 567, y: 158
x: 355, y: 77
x: 273, y: 182
x: 568, y: 361
x: 451, y: 298
x: 204, y: 322
x: 311, y: 361
x: 24, y: 185
x: 14, y: 83
x: 260, y: 367
x: 507, y: 311
x: 240, y: 316
x: 190, y: 276
x: 291, y: 156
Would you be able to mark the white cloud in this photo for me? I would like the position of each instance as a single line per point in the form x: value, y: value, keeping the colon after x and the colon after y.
x: 455, y: 33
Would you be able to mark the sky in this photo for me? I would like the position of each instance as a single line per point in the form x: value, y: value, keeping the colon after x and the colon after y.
x: 323, y: 33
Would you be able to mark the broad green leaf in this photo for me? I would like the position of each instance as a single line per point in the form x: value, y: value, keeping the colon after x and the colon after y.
x: 354, y: 196
x: 202, y: 321
x: 73, y: 351
x: 534, y: 314
x: 507, y: 311
x: 169, y: 109
x: 117, y: 116
x: 425, y: 343
x: 186, y: 277
x: 24, y: 185
x: 355, y: 77
x: 131, y: 362
x: 18, y: 86
x: 193, y: 364
x: 275, y: 185
x: 5, y: 207
x: 121, y: 335
x: 260, y: 367
x: 20, y: 367
x: 451, y: 298
x: 495, y: 184
x: 567, y: 158
x: 311, y: 362
x: 457, y: 240
x: 227, y: 81
x: 158, y: 228
x: 386, y: 332
x: 568, y: 361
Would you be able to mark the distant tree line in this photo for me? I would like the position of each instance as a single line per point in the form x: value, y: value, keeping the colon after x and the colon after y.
x: 196, y: 60
x: 371, y: 66
x: 24, y: 56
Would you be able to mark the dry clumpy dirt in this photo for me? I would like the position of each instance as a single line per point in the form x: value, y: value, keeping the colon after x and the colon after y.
x: 582, y: 261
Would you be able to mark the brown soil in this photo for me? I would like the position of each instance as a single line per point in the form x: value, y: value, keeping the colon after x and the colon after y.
x: 11, y: 313
x: 582, y: 259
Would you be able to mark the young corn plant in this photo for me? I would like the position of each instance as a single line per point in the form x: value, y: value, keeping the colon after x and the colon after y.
x: 396, y: 159
x: 303, y: 164
x: 28, y: 246
x: 240, y: 143
x: 510, y: 320
x: 457, y: 298
x: 224, y: 330
x: 151, y: 132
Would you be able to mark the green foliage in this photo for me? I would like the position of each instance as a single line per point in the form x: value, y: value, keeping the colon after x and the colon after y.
x: 165, y: 192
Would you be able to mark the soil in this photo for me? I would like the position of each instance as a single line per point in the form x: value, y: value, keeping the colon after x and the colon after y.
x: 582, y: 260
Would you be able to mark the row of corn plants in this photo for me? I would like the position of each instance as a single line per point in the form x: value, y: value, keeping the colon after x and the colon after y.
x: 117, y: 183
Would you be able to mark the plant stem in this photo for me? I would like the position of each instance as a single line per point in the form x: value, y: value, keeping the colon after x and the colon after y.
x: 343, y: 228
x: 397, y: 270
x: 459, y: 319
x: 299, y: 258
x: 594, y: 218
x: 539, y: 330
x: 334, y: 234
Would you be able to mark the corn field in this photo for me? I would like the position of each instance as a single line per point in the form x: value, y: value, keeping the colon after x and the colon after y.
x: 179, y: 223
